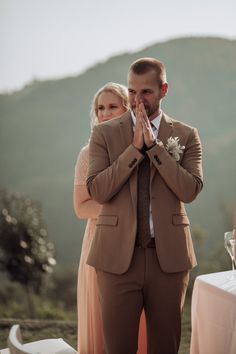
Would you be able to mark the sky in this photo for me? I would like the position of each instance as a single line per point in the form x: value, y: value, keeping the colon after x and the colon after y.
x: 41, y: 39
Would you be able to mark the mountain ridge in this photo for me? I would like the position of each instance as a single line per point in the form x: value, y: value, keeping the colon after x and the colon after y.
x: 44, y: 126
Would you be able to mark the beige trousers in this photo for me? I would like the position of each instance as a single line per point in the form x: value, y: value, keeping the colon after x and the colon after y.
x: 144, y: 285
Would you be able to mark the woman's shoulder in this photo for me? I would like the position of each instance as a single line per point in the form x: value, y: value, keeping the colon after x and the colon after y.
x: 81, y: 166
x: 84, y: 151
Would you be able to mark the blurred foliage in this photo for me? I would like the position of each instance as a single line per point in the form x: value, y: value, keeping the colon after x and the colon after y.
x: 61, y: 287
x: 57, y: 299
x: 227, y: 215
x: 25, y: 253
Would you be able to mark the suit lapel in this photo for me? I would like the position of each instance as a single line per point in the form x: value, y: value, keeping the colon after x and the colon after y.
x: 126, y: 129
x: 165, y: 131
x: 166, y: 128
x: 126, y: 133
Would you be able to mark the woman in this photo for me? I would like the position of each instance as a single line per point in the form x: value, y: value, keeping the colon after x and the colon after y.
x: 109, y: 102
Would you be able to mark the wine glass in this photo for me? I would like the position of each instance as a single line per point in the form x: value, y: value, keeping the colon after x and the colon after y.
x: 230, y: 245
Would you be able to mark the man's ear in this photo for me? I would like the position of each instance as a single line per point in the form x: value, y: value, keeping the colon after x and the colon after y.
x: 164, y: 89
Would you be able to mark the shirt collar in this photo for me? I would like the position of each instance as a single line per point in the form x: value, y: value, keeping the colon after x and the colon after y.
x: 156, y: 121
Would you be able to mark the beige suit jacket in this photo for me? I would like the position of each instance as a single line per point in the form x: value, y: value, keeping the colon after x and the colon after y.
x: 112, y: 181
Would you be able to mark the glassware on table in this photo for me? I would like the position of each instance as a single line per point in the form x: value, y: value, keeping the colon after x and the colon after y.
x: 230, y: 245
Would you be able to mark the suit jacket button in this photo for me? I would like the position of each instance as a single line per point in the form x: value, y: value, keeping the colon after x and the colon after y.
x: 157, y: 159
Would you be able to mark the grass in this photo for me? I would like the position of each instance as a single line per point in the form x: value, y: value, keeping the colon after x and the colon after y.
x: 41, y: 329
x: 186, y: 329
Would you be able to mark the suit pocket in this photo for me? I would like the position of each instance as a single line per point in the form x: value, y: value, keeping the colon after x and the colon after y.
x: 180, y: 219
x: 111, y: 220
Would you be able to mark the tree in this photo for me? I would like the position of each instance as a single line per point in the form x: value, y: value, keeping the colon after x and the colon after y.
x: 25, y: 253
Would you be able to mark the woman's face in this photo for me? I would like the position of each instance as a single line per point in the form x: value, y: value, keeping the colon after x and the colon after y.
x: 109, y: 106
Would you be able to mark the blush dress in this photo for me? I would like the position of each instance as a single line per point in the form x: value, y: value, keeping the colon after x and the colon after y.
x: 90, y: 332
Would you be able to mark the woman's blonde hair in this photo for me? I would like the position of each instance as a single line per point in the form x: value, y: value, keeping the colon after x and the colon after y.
x: 117, y: 89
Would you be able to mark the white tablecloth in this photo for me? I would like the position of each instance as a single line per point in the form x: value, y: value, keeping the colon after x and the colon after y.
x: 214, y: 314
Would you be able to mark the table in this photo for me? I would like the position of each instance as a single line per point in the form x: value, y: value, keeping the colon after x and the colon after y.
x: 214, y: 314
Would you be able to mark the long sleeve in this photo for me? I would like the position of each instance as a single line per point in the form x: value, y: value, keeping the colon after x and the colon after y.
x: 185, y: 179
x: 105, y: 177
x: 84, y: 206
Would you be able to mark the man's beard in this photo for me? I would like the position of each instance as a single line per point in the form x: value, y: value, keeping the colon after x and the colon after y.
x: 149, y: 110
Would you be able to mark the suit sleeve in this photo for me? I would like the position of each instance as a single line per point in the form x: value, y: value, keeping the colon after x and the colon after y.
x: 185, y: 179
x: 106, y: 178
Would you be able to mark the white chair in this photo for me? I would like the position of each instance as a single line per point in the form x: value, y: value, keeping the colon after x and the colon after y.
x: 45, y: 346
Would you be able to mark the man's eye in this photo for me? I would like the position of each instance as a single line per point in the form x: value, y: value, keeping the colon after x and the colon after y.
x: 131, y: 91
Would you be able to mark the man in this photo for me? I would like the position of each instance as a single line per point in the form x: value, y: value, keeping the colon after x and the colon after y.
x: 143, y: 167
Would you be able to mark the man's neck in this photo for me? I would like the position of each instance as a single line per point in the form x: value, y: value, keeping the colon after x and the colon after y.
x: 155, y: 115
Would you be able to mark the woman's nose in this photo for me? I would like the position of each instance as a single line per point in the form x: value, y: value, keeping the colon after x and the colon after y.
x: 107, y: 112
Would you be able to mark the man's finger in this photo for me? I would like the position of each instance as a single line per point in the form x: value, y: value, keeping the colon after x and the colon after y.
x: 144, y: 114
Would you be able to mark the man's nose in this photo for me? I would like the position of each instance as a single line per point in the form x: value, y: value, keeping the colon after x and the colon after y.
x: 138, y: 98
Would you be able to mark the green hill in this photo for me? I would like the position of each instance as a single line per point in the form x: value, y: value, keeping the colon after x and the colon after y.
x: 43, y: 127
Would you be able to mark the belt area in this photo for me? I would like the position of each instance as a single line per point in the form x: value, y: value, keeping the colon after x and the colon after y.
x: 151, y: 244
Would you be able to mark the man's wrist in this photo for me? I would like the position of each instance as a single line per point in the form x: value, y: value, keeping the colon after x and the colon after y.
x: 154, y: 143
x: 137, y: 148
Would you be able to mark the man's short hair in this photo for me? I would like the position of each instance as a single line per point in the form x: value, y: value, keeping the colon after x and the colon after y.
x: 143, y: 65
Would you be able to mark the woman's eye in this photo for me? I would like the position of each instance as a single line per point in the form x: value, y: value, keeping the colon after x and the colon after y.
x: 113, y: 107
x: 100, y: 108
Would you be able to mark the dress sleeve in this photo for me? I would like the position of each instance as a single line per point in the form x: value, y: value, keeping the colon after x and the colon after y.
x: 81, y: 167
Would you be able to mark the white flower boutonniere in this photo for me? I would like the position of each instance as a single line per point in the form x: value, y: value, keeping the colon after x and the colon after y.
x: 174, y: 148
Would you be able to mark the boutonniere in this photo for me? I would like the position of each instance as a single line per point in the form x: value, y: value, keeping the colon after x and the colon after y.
x: 174, y: 148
